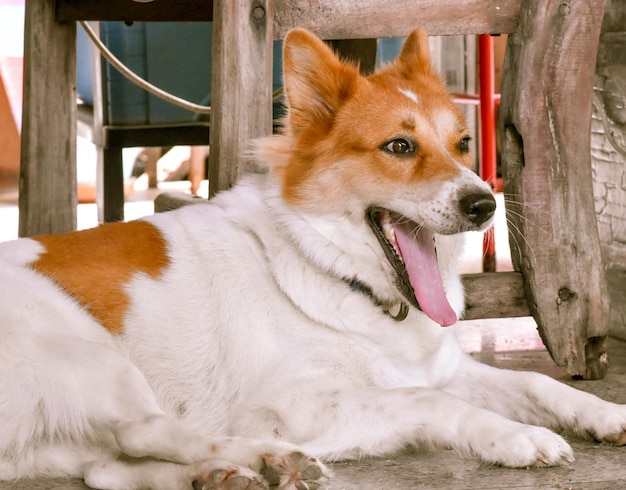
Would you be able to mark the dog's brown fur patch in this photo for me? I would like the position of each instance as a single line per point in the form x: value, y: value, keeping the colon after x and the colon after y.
x: 94, y: 265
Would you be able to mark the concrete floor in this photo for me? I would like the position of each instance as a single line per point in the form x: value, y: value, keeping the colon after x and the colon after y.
x: 511, y: 343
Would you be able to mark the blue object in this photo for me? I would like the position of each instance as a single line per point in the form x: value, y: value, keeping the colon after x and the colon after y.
x: 388, y: 49
x: 174, y: 56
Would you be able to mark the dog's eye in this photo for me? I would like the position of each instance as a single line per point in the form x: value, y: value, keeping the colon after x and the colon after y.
x: 463, y: 145
x: 400, y: 146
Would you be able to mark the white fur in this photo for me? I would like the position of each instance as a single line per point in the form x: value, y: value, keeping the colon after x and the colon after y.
x: 410, y: 94
x: 253, y: 331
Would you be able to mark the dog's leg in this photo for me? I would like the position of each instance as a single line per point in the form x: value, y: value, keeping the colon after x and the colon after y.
x: 342, y: 422
x: 131, y: 474
x: 70, y: 407
x: 281, y: 464
x: 279, y: 469
x: 534, y: 398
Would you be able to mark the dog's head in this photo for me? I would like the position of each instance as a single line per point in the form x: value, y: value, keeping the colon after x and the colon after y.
x: 390, y: 148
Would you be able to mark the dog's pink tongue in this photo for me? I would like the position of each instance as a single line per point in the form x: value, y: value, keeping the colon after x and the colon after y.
x: 420, y: 262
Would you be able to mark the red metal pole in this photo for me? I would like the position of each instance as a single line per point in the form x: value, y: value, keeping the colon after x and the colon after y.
x: 487, y: 136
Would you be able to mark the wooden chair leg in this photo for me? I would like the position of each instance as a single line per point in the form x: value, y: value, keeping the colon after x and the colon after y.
x: 545, y: 122
x: 110, y: 185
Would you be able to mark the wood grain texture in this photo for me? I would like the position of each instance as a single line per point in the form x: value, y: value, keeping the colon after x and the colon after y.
x: 331, y: 19
x: 494, y: 295
x: 354, y: 19
x: 47, y: 198
x: 241, y: 91
x: 545, y: 122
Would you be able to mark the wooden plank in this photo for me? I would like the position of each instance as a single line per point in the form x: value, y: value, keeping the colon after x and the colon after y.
x: 355, y: 19
x: 47, y: 198
x: 241, y: 91
x: 125, y: 10
x: 331, y: 19
x: 494, y: 295
x: 545, y: 124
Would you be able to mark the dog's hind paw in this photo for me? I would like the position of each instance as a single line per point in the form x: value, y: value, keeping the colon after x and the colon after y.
x: 294, y: 471
x: 222, y: 479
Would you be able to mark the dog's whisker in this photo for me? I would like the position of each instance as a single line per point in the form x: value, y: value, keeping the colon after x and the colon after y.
x: 536, y: 208
x: 525, y: 219
x: 512, y: 207
x: 516, y: 235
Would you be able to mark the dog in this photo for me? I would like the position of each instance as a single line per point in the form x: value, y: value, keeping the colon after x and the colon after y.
x: 301, y: 317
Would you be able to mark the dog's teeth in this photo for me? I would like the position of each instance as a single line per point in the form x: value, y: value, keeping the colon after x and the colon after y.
x: 390, y: 233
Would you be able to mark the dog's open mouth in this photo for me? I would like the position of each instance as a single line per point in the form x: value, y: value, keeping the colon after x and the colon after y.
x: 410, y: 248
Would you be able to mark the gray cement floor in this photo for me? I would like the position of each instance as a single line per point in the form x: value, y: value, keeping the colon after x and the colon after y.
x: 504, y: 343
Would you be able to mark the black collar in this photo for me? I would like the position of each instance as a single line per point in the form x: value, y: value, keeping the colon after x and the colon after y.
x: 363, y: 288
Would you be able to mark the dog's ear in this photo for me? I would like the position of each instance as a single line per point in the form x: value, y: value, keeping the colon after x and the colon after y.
x: 316, y: 82
x: 414, y: 59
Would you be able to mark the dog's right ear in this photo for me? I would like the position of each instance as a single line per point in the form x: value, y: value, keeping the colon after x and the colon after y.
x: 316, y: 82
x: 414, y: 58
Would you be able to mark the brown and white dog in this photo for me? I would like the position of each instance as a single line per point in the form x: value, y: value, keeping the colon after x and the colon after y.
x: 305, y: 306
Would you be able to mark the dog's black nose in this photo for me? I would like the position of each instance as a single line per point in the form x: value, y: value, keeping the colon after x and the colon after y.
x: 478, y: 207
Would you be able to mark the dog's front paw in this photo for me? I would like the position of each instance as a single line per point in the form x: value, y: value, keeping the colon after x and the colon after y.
x: 520, y: 446
x: 282, y: 465
x: 606, y: 423
x: 294, y: 471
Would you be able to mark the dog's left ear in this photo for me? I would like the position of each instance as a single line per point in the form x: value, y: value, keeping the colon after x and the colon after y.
x: 414, y: 59
x: 316, y: 81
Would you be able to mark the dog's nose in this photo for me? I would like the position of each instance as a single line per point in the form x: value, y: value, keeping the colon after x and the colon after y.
x: 478, y: 207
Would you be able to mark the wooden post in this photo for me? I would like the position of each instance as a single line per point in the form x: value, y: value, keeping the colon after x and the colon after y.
x: 545, y: 122
x: 241, y: 90
x: 47, y: 198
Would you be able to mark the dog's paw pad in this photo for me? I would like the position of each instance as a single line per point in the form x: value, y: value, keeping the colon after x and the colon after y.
x: 294, y: 470
x: 221, y: 479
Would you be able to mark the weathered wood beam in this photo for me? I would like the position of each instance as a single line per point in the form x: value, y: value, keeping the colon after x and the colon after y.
x: 47, y: 198
x: 350, y: 19
x: 494, y: 295
x: 331, y: 19
x: 241, y: 90
x: 545, y: 122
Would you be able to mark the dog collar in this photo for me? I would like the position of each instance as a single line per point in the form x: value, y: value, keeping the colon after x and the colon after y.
x: 363, y: 288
